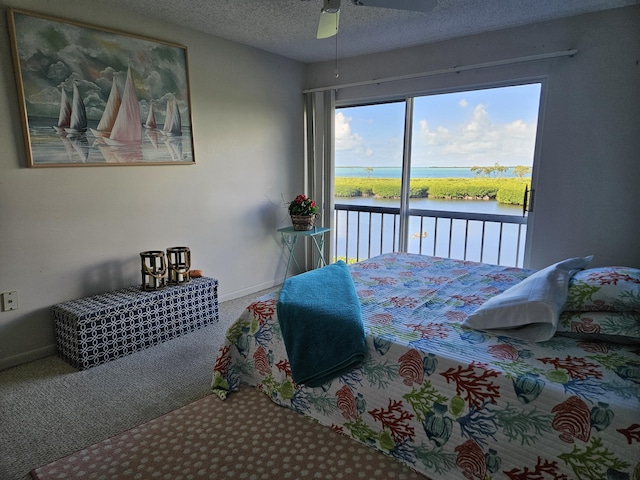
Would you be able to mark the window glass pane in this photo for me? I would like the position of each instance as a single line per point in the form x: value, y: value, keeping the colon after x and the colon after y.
x: 368, y: 158
x: 476, y: 128
x: 472, y: 152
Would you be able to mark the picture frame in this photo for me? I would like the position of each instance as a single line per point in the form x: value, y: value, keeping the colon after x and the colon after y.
x: 92, y: 96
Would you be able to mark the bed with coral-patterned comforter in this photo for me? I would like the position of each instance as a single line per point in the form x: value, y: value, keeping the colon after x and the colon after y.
x: 453, y: 402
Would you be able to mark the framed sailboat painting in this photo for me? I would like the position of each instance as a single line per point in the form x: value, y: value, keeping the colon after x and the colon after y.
x: 91, y: 96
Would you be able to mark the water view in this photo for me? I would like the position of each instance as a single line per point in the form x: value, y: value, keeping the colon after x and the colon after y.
x: 423, y: 235
x: 472, y: 240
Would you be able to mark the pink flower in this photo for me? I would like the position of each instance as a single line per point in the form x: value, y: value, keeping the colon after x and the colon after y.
x: 302, y: 205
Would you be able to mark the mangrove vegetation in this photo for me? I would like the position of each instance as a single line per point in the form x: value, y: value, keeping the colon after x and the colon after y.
x: 488, y: 185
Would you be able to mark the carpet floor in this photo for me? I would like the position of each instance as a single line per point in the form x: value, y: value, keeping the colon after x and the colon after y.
x: 244, y: 437
x: 48, y: 409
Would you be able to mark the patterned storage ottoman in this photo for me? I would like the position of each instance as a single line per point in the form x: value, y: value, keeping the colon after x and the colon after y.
x: 95, y: 330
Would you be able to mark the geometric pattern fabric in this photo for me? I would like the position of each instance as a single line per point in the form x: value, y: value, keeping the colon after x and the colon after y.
x: 97, y: 329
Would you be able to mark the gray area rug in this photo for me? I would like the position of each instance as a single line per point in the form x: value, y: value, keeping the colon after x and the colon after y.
x: 48, y: 409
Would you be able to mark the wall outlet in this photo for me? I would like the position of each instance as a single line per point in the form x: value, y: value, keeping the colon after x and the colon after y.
x: 9, y: 301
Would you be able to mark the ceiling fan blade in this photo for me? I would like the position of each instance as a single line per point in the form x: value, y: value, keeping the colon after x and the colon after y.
x: 328, y: 24
x: 412, y: 5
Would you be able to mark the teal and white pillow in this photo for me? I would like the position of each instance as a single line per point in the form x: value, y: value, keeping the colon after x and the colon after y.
x: 603, y: 304
x: 608, y: 289
x: 617, y: 327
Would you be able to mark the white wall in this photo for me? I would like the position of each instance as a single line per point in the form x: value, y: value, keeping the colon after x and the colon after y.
x: 70, y: 232
x: 588, y: 188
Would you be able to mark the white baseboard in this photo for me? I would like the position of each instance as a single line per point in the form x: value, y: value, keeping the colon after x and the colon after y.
x: 249, y: 290
x: 26, y: 357
x: 49, y: 350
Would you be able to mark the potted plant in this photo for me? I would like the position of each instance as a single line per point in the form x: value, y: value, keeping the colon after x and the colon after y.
x: 303, y: 212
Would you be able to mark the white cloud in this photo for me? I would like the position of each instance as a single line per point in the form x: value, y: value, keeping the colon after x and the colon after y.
x: 346, y: 139
x: 478, y: 141
x: 439, y: 136
x: 463, y: 103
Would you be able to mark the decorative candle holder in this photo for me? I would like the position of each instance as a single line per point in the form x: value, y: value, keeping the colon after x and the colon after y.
x: 154, y: 269
x: 179, y: 260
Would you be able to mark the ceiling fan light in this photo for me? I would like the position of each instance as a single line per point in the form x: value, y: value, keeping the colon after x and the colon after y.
x: 328, y: 24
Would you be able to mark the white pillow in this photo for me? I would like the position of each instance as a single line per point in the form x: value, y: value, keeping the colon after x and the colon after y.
x: 530, y: 309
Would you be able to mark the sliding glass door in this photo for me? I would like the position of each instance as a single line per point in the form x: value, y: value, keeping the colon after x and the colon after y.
x: 470, y: 152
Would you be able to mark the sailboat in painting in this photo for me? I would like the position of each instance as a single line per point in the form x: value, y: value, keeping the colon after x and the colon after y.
x: 151, y: 126
x: 151, y: 123
x: 78, y: 121
x: 172, y: 121
x: 64, y: 118
x: 110, y: 112
x: 127, y: 128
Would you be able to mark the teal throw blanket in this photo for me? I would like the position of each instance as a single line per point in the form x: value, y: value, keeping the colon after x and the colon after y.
x: 321, y: 322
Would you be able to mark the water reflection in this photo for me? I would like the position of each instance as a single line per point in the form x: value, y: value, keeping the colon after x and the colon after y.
x: 49, y: 147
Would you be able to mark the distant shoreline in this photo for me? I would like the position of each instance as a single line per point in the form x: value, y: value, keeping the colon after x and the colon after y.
x: 428, y: 172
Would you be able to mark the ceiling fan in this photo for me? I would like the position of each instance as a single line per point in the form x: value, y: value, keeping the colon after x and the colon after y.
x: 330, y: 13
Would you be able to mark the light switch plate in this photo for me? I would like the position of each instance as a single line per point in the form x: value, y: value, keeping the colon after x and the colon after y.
x: 9, y: 301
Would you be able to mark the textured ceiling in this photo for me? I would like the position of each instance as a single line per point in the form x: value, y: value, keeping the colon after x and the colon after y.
x: 288, y: 27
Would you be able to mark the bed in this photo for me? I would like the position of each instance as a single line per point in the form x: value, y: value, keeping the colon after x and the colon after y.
x: 453, y: 402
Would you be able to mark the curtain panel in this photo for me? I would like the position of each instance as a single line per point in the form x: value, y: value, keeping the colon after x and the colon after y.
x: 320, y: 160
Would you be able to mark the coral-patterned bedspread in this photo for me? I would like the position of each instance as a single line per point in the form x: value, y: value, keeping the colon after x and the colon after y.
x: 454, y: 403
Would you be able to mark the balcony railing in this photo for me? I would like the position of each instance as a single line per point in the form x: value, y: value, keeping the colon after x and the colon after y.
x: 364, y: 231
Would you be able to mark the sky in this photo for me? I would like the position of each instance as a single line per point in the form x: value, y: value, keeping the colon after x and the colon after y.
x: 462, y: 129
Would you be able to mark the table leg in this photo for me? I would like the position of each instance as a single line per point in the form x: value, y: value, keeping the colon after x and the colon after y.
x: 319, y: 244
x: 290, y: 242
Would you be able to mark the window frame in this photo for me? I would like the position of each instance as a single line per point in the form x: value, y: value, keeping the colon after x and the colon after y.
x: 408, y: 98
